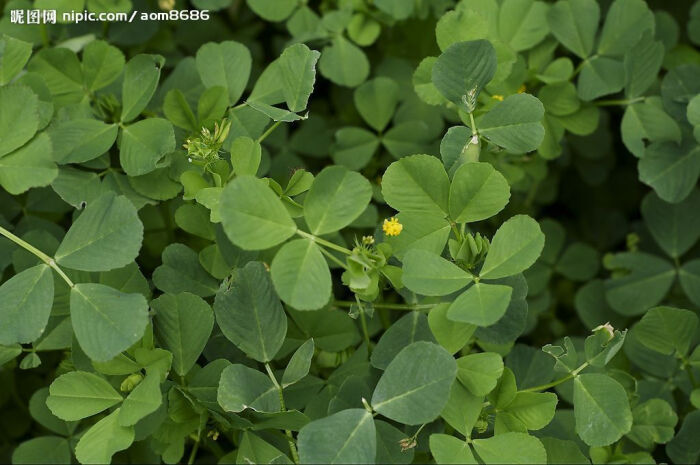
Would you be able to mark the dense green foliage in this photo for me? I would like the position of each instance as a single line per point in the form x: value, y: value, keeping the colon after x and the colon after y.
x: 351, y: 231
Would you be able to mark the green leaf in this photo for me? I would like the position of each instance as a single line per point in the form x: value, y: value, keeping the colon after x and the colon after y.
x: 515, y: 123
x: 559, y: 99
x: 253, y: 449
x: 343, y: 63
x: 449, y: 334
x: 301, y: 275
x: 30, y: 166
x: 523, y: 23
x: 274, y: 113
x: 689, y: 276
x: 246, y: 154
x: 144, y: 144
x: 647, y: 121
x: 249, y: 313
x: 336, y: 198
x: 429, y: 274
x: 420, y: 231
x: 62, y: 72
x: 600, y: 76
x: 226, y: 64
x: 253, y: 217
x: 414, y: 387
x: 105, y: 320
x: 299, y: 364
x: 477, y: 192
x: 458, y: 147
x: 644, y: 285
x: 510, y: 448
x: 273, y: 10
x: 514, y: 248
x: 397, y: 9
x: 481, y: 304
x: 667, y: 330
x: 601, y: 409
x: 625, y: 22
x: 479, y: 372
x: 26, y: 299
x: 44, y: 449
x: 183, y: 324
x: 376, y: 101
x: 142, y: 401
x: 449, y: 449
x: 405, y: 331
x: 81, y: 140
x: 182, y: 272
x: 574, y: 23
x: 297, y: 65
x: 464, y: 68
x: 79, y: 394
x: 103, y: 440
x: 141, y: 76
x: 106, y: 236
x: 354, y: 147
x: 102, y: 64
x: 642, y: 64
x: 534, y: 409
x: 243, y: 388
x: 654, y: 423
x: 673, y: 229
x: 671, y: 170
x: 178, y: 111
x: 417, y: 183
x: 683, y: 448
x: 15, y: 54
x: 19, y: 117
x: 348, y: 436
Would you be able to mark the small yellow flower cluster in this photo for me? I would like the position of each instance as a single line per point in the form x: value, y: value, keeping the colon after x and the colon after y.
x: 392, y: 227
x: 522, y: 89
x: 497, y: 97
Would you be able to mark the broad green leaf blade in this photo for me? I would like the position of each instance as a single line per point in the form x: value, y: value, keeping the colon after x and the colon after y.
x: 106, y: 236
x: 574, y: 23
x: 689, y: 276
x: 273, y: 10
x: 463, y: 70
x: 429, y: 274
x: 600, y: 76
x: 481, y: 305
x: 354, y: 147
x: 654, y: 423
x: 246, y: 154
x: 142, y: 401
x: 376, y: 101
x: 518, y: 448
x: 336, y: 198
x: 103, y: 440
x: 79, y: 394
x: 243, y: 388
x: 81, y: 140
x: 515, y: 123
x: 141, y: 76
x: 297, y: 65
x: 343, y: 63
x: 647, y: 121
x: 144, y: 144
x: 449, y: 449
x: 601, y: 409
x: 181, y: 271
x: 102, y: 64
x: 178, y: 111
x: 348, y: 436
x: 397, y: 9
x: 672, y: 170
x: 274, y: 113
x: 673, y: 228
x: 30, y: 166
x: 625, y: 22
x: 449, y: 334
x: 667, y: 330
x: 405, y: 331
x: 249, y: 313
x: 534, y: 409
x: 477, y: 192
x: 226, y: 64
x: 514, y: 248
x: 183, y: 324
x: 645, y: 283
x: 253, y: 217
x: 299, y: 364
x: 62, y: 72
x: 44, y: 449
x: 15, y: 54
x: 479, y: 372
x: 19, y: 117
x: 417, y: 183
x: 523, y: 23
x: 26, y: 299
x: 414, y: 387
x: 301, y: 276
x: 253, y: 449
x: 458, y: 147
x: 420, y: 231
x: 106, y: 321
x: 683, y: 448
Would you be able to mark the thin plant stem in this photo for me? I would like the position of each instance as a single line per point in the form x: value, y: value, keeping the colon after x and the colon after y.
x: 473, y: 124
x: 38, y: 253
x: 543, y: 387
x: 269, y: 131
x: 290, y: 438
x: 406, y: 307
x: 333, y: 258
x: 193, y: 452
x: 363, y: 322
x: 324, y: 242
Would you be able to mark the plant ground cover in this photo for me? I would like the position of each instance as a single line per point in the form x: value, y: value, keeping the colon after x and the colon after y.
x: 351, y: 231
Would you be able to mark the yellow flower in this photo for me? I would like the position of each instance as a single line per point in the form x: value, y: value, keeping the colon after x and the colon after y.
x: 392, y: 227
x: 497, y: 97
x: 522, y: 89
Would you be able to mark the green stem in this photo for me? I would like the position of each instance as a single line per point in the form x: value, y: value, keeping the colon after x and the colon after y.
x: 543, y: 387
x: 193, y: 453
x: 333, y: 258
x: 290, y: 438
x: 408, y: 307
x: 38, y: 253
x: 363, y: 321
x: 610, y: 103
x: 473, y: 124
x: 324, y: 242
x: 269, y: 131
